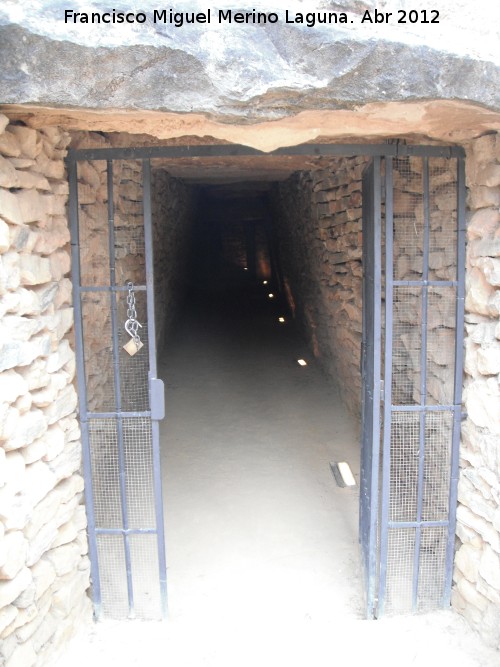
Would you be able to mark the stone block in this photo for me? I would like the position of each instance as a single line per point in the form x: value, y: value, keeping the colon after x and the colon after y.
x: 46, y: 295
x: 7, y: 616
x: 34, y: 452
x: 15, y: 471
x: 52, y: 169
x: 468, y: 559
x: 479, y: 292
x: 60, y: 264
x: 488, y: 360
x: 66, y: 534
x: 4, y: 236
x: 45, y: 632
x: 17, y: 548
x: 27, y: 139
x: 12, y: 385
x: 22, y: 238
x: 483, y: 333
x: 52, y: 238
x: 68, y: 462
x: 492, y: 594
x: 30, y: 426
x: 64, y: 558
x: 11, y: 589
x: 23, y: 617
x: 64, y: 293
x: 60, y: 357
x: 483, y: 197
x: 56, y: 509
x: 3, y: 476
x: 468, y: 536
x: 483, y: 224
x: 36, y: 181
x: 44, y: 575
x: 8, y: 175
x: 489, y: 567
x: 55, y: 204
x: 484, y: 248
x: 47, y: 395
x: 16, y: 327
x: 471, y: 595
x: 9, y: 146
x: 10, y: 275
x: 54, y: 442
x: 24, y: 655
x: 35, y: 270
x: 33, y: 206
x: 489, y: 175
x: 41, y: 543
x: 10, y: 208
x: 482, y: 400
x: 69, y: 592
x: 39, y: 481
x: 14, y: 509
x: 22, y: 302
x: 36, y: 375
x: 64, y: 404
x: 490, y: 266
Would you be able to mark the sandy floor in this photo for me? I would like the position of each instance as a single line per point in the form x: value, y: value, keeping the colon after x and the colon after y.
x: 263, y: 565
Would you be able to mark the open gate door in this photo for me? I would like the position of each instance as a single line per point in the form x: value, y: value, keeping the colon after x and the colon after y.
x: 413, y: 303
x: 121, y: 400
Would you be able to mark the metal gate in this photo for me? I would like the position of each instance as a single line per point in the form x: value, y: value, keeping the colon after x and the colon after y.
x: 413, y: 294
x: 120, y: 398
x: 413, y: 300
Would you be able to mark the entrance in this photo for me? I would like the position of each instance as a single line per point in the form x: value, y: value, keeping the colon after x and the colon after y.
x: 413, y: 214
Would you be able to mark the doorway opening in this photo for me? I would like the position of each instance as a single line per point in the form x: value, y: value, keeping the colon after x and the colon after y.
x: 286, y: 244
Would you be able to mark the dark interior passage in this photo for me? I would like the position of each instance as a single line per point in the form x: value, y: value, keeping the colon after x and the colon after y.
x: 256, y: 526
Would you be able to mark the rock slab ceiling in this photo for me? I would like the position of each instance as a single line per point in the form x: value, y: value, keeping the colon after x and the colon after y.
x: 273, y: 72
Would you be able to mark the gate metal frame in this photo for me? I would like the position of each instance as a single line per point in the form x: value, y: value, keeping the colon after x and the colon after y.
x: 156, y: 401
x: 373, y: 532
x: 377, y: 392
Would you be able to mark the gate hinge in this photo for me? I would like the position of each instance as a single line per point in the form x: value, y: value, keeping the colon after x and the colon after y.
x: 382, y: 391
x: 157, y: 398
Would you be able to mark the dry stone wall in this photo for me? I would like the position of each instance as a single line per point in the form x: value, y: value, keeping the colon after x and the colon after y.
x: 319, y: 228
x: 477, y: 563
x: 173, y: 209
x: 44, y: 569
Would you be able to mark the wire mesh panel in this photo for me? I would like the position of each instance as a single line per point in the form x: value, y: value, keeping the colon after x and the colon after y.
x: 422, y: 332
x: 120, y: 397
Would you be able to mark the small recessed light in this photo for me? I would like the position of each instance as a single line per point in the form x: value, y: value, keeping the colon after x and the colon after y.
x: 264, y: 282
x: 271, y: 295
x: 245, y: 268
x: 281, y: 319
x: 302, y: 362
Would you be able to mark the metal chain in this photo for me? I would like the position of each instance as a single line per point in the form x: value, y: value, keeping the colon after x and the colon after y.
x: 132, y: 324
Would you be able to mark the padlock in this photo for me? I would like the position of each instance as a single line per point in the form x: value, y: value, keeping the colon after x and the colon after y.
x: 132, y: 347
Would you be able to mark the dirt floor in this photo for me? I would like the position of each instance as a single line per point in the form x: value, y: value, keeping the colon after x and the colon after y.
x: 262, y: 553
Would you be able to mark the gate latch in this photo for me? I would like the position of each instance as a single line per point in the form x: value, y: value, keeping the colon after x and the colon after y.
x: 157, y: 398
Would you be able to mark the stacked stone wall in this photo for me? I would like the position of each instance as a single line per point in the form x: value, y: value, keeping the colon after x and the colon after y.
x: 173, y: 208
x: 477, y: 564
x: 44, y: 569
x: 319, y: 219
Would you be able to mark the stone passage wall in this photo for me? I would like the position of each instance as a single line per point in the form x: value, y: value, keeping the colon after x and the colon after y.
x: 477, y: 571
x: 44, y: 570
x: 173, y: 208
x: 319, y: 229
